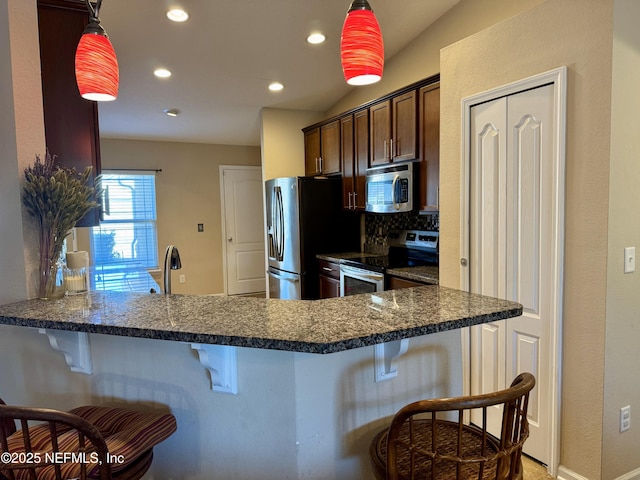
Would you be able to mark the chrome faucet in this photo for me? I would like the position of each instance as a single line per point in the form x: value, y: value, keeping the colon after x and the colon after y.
x: 171, y: 262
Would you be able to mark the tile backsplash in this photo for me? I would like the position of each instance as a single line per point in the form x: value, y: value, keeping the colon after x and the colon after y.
x: 377, y: 227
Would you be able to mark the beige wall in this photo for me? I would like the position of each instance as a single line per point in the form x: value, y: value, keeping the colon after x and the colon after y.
x: 188, y: 193
x: 21, y: 138
x: 579, y: 35
x: 620, y: 451
x: 283, y: 142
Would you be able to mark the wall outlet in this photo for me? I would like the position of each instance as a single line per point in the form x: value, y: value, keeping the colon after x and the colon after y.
x: 625, y: 418
x: 182, y: 279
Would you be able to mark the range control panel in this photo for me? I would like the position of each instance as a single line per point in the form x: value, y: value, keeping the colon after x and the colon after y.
x: 415, y: 239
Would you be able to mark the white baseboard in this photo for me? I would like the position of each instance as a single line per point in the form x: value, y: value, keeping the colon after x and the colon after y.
x: 632, y: 475
x: 565, y: 474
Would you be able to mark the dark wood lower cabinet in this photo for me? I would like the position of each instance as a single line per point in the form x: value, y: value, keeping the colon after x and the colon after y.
x: 395, y: 283
x: 329, y: 279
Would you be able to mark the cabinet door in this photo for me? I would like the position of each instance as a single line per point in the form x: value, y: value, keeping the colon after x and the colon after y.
x: 348, y: 183
x: 330, y: 148
x: 430, y: 147
x: 71, y: 122
x: 404, y: 138
x: 329, y: 287
x: 329, y: 279
x: 312, y: 152
x: 361, y: 156
x: 395, y: 283
x: 380, y: 132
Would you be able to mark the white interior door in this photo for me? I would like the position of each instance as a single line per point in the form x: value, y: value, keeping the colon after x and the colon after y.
x: 243, y: 229
x: 513, y: 241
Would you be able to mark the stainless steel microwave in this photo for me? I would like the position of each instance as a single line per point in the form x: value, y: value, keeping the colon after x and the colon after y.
x: 390, y: 188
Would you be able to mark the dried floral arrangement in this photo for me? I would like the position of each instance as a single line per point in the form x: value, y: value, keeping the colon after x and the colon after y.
x: 57, y: 198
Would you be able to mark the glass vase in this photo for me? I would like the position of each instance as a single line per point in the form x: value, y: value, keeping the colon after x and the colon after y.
x: 51, y: 282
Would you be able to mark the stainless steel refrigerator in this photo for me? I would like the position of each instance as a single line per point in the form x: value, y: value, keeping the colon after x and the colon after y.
x: 305, y: 217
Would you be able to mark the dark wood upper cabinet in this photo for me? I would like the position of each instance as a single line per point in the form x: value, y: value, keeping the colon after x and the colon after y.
x: 380, y: 132
x: 312, y: 151
x: 429, y: 97
x: 361, y: 156
x: 322, y: 149
x: 330, y: 148
x: 404, y: 139
x: 355, y: 158
x: 404, y: 125
x: 71, y: 122
x: 393, y: 129
x: 348, y: 180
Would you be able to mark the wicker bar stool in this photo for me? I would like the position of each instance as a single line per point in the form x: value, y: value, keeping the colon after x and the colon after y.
x: 104, y: 443
x: 420, y: 445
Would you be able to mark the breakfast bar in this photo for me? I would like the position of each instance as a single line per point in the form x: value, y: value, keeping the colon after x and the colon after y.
x: 305, y: 397
x: 321, y: 326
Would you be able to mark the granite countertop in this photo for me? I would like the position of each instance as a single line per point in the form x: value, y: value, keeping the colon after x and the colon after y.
x: 336, y: 257
x: 424, y: 274
x: 312, y: 326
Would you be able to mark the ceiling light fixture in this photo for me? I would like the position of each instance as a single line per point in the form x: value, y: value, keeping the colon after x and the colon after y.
x: 162, y: 73
x: 171, y: 112
x: 177, y: 15
x: 316, y: 38
x: 96, y: 63
x: 276, y: 86
x: 361, y: 46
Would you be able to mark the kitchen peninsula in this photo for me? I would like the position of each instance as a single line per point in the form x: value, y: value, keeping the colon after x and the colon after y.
x: 307, y: 401
x: 321, y: 326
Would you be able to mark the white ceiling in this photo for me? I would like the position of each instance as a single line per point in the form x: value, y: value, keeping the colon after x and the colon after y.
x: 224, y: 57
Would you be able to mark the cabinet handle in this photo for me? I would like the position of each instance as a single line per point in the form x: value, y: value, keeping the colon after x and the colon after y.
x: 349, y: 200
x: 327, y: 269
x: 385, y: 150
x: 320, y: 162
x: 438, y: 197
x: 392, y: 153
x: 355, y: 202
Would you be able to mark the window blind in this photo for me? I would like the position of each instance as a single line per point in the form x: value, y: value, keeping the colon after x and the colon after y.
x: 126, y: 241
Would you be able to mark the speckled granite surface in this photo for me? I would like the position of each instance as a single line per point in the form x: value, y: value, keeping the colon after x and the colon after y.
x: 321, y: 326
x: 336, y: 257
x: 419, y: 274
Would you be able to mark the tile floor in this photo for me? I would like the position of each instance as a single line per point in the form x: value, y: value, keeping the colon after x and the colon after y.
x: 534, y: 471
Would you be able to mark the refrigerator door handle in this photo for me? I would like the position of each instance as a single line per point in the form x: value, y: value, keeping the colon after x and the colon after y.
x: 276, y: 230
x: 284, y: 276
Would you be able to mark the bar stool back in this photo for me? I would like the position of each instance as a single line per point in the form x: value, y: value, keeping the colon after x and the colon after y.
x: 420, y: 443
x: 104, y: 443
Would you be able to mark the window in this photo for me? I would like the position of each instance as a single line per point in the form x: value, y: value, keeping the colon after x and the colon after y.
x: 125, y: 245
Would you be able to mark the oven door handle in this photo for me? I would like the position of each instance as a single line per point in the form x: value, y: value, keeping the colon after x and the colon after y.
x: 358, y: 273
x: 396, y: 205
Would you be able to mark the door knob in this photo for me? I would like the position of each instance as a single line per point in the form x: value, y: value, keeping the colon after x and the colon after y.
x: 229, y: 239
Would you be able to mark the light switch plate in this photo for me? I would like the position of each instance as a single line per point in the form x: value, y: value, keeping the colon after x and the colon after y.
x: 629, y: 259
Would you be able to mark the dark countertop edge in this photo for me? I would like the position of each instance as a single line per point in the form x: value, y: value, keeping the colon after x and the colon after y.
x: 265, y: 343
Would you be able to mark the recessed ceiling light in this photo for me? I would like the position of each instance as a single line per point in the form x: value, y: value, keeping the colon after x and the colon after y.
x: 171, y: 112
x: 162, y: 73
x: 177, y: 15
x: 316, y: 38
x: 275, y: 86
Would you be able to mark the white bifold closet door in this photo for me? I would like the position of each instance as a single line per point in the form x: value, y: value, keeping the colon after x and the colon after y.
x: 511, y: 237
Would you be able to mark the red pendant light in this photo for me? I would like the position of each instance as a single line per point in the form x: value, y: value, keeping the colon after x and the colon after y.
x: 361, y: 47
x: 96, y: 63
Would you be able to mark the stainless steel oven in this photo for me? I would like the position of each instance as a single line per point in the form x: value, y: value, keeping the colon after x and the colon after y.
x: 355, y: 280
